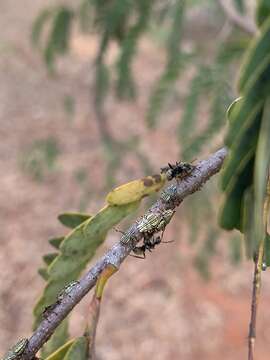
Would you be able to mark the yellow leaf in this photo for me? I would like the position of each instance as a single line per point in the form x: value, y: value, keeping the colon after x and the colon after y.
x: 136, y: 190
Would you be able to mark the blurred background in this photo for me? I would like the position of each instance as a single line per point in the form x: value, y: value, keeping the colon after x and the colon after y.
x: 93, y: 95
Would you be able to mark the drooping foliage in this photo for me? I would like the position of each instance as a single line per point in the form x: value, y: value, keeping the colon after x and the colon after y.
x: 246, y: 171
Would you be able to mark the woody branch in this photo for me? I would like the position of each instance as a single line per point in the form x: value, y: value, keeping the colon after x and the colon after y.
x: 175, y: 194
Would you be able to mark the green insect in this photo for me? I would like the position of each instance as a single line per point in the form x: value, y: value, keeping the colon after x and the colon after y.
x: 16, y: 350
x: 127, y: 236
x: 67, y: 289
x: 168, y: 195
x: 148, y: 225
x: 155, y: 222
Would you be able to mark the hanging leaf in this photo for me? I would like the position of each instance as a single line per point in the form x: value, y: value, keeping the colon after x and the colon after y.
x: 59, y: 36
x: 172, y: 70
x: 125, y: 83
x: 38, y: 26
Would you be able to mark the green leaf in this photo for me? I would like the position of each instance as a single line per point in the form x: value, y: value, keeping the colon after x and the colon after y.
x: 234, y: 108
x: 248, y: 222
x: 85, y: 15
x: 78, y: 350
x: 267, y: 250
x: 231, y: 211
x: 57, y: 340
x: 125, y: 83
x: 77, y: 249
x: 257, y: 59
x: 43, y: 273
x: 72, y: 220
x: 242, y: 150
x: 247, y: 110
x: 48, y: 258
x: 59, y: 36
x: 173, y: 66
x: 102, y: 83
x: 38, y: 26
x: 80, y: 245
x: 261, y: 172
x: 262, y: 11
x: 56, y: 242
x: 61, y: 352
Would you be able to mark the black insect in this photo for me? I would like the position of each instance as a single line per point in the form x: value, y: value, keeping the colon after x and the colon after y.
x: 180, y: 170
x: 149, y: 243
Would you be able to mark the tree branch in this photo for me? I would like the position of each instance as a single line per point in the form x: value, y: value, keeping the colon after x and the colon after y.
x: 170, y: 198
x: 242, y: 22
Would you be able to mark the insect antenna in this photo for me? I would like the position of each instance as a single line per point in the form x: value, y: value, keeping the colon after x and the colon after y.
x: 118, y: 230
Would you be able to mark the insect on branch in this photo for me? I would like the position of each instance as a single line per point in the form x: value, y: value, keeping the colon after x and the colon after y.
x: 160, y: 213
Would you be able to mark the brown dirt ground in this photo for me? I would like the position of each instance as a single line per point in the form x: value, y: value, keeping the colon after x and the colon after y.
x: 158, y: 308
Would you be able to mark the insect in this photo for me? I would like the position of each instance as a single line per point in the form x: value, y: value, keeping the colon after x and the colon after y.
x: 16, y: 350
x: 67, y: 289
x: 180, y: 170
x: 168, y: 194
x: 149, y: 244
x: 155, y: 222
x: 127, y: 236
x: 48, y: 309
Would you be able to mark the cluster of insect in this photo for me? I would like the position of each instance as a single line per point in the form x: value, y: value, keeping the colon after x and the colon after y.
x: 156, y: 222
x: 149, y: 225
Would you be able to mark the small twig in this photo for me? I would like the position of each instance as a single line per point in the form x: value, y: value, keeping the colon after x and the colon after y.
x: 255, y: 301
x: 242, y: 22
x: 257, y: 279
x: 171, y: 197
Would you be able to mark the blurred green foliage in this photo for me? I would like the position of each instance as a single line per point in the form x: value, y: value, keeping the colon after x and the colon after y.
x: 40, y: 158
x: 211, y: 58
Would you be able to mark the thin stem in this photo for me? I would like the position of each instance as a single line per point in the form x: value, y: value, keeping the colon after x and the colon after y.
x: 257, y: 280
x: 255, y: 300
x: 242, y: 22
